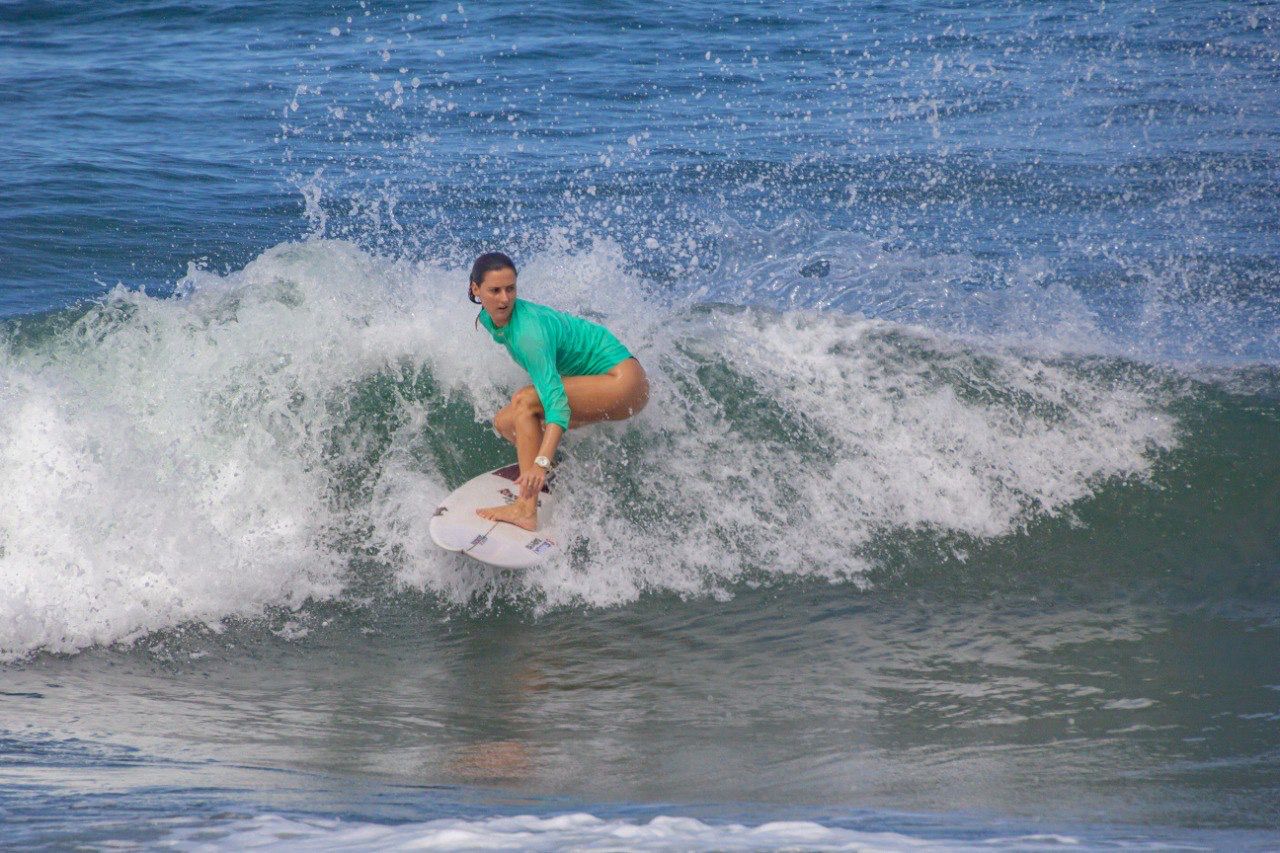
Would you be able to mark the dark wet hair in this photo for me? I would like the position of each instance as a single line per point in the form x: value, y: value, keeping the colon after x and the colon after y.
x: 485, y: 264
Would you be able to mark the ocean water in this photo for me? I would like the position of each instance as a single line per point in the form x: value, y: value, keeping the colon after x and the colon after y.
x: 953, y: 521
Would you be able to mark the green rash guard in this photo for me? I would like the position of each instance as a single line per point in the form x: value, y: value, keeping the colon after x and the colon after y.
x: 551, y: 344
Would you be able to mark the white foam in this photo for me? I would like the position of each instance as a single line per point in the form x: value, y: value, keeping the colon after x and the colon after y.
x: 179, y: 460
x: 161, y: 461
x: 921, y: 433
x: 568, y: 832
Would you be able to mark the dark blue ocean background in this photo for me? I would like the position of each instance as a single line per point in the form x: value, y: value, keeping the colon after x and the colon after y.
x: 954, y: 520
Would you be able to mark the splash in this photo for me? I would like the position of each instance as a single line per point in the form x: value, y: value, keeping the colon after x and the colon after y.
x: 278, y: 435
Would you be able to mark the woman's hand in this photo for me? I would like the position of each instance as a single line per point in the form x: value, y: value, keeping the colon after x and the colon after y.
x: 531, y: 482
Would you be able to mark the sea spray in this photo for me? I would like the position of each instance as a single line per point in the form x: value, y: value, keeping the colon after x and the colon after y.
x: 274, y: 435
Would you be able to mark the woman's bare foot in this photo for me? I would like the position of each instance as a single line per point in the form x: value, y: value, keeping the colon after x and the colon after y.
x: 521, y: 514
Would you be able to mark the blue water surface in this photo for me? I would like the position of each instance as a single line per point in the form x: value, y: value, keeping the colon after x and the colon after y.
x: 144, y: 136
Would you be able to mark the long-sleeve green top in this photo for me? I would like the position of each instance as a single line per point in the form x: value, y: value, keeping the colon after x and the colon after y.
x: 551, y: 344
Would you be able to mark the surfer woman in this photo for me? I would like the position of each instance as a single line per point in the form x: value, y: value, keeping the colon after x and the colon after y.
x: 581, y: 374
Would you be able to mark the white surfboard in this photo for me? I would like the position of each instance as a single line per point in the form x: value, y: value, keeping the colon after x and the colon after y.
x: 456, y: 527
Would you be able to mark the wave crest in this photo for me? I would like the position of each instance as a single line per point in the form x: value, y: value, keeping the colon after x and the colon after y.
x: 278, y: 434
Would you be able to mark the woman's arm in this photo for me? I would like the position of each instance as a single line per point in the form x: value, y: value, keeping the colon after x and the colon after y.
x: 550, y: 441
x: 532, y: 355
x: 532, y: 481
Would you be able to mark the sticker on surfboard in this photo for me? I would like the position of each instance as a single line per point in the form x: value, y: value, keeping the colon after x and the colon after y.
x: 455, y: 526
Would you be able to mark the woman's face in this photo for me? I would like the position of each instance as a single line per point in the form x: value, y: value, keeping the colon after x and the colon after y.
x: 497, y: 294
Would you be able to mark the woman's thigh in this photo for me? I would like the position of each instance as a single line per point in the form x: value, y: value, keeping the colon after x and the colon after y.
x: 612, y: 396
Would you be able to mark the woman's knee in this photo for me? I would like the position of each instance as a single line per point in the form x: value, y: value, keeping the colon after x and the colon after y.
x: 504, y: 423
x: 526, y: 402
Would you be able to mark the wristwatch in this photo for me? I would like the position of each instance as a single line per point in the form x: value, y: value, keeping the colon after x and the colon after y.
x: 543, y: 462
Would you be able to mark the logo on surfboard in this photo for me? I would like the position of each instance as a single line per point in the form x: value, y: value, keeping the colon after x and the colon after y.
x: 539, y: 546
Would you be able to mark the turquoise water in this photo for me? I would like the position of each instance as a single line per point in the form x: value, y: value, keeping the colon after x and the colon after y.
x: 952, y: 520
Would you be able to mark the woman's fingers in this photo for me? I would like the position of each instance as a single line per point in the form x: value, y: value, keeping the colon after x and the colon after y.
x: 531, y: 483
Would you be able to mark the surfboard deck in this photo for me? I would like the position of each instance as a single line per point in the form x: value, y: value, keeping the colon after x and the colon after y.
x: 456, y: 527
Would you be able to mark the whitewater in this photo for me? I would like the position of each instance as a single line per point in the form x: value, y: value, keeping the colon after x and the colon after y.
x: 265, y: 426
